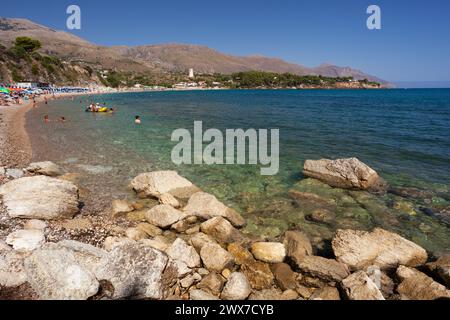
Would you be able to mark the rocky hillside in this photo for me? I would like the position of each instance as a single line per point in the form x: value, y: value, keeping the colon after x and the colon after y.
x: 18, y: 65
x: 65, y: 46
x: 179, y: 57
x: 156, y: 59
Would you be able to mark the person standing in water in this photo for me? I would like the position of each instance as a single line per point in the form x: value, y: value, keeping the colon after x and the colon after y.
x: 46, y: 119
x: 137, y: 120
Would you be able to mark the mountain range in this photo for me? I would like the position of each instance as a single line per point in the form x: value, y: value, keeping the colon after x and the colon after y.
x: 160, y: 58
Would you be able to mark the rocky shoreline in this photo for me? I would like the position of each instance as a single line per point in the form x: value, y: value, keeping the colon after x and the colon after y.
x: 177, y: 242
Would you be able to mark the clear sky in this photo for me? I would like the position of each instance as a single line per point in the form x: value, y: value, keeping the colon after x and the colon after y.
x: 413, y: 44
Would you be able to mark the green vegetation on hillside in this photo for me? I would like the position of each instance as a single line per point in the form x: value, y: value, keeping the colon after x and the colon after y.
x: 252, y: 79
x: 23, y: 62
x: 27, y: 44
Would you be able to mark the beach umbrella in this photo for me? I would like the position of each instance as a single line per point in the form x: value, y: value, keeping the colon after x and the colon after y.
x: 4, y: 90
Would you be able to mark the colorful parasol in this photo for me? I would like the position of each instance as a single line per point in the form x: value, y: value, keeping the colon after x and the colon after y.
x: 5, y: 90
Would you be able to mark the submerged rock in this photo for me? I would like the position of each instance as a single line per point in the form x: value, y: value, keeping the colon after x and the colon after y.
x: 405, y: 207
x: 307, y: 198
x: 121, y: 207
x: 46, y: 168
x: 271, y: 252
x: 359, y: 286
x: 416, y: 285
x: 360, y: 249
x: 40, y: 197
x: 157, y: 183
x: 206, y: 206
x: 163, y: 216
x: 412, y: 193
x: 236, y: 288
x: 322, y: 216
x: 344, y: 173
x: 26, y: 240
x: 443, y: 215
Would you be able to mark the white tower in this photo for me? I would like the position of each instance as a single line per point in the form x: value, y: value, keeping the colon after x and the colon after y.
x: 191, y: 73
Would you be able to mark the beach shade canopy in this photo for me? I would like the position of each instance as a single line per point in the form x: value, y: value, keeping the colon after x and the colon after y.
x: 4, y: 90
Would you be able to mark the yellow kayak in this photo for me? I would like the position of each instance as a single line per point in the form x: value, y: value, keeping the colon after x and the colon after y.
x: 103, y: 109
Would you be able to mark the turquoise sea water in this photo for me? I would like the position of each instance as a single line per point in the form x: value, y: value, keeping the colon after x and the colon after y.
x: 403, y: 134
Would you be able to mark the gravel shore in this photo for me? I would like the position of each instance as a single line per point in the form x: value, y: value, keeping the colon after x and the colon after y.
x: 14, y: 144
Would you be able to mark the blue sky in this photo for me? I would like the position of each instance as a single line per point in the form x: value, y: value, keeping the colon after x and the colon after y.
x: 413, y: 44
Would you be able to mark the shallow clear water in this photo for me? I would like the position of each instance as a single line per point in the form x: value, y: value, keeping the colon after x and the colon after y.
x: 403, y: 134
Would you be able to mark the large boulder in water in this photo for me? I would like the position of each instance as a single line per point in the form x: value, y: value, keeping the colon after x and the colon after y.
x: 361, y: 249
x: 157, y: 183
x: 344, y: 173
x: 40, y: 197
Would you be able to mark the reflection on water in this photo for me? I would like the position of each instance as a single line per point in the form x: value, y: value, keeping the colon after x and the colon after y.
x: 400, y: 133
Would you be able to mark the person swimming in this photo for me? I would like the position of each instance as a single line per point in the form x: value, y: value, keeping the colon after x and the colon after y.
x: 46, y: 119
x: 62, y: 119
x: 137, y: 120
